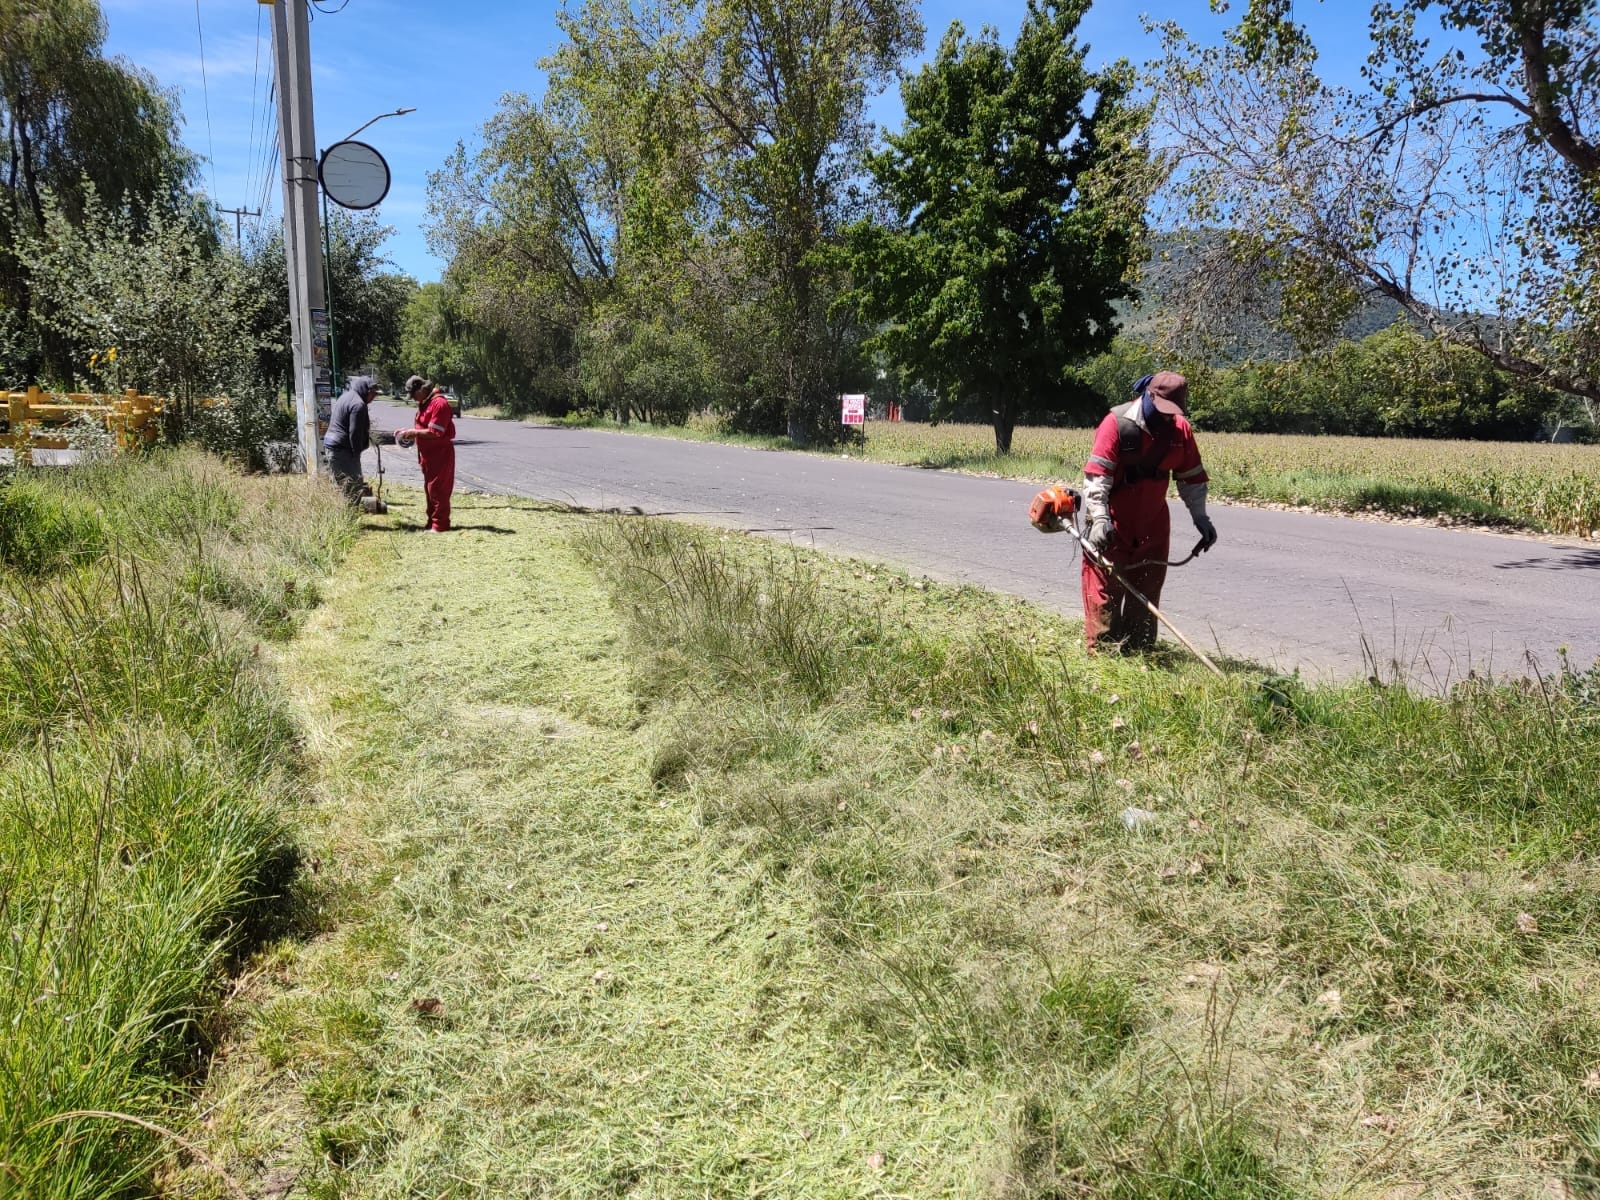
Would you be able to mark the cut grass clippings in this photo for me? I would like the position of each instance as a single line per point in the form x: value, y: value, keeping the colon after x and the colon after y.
x: 644, y: 873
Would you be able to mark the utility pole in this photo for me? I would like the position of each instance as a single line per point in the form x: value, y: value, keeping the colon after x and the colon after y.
x: 308, y: 308
x: 239, y: 214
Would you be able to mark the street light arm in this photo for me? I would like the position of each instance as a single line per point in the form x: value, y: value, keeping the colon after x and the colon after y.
x: 399, y: 112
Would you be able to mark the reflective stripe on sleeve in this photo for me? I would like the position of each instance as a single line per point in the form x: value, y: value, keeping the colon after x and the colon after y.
x: 1106, y: 463
x: 1190, y: 474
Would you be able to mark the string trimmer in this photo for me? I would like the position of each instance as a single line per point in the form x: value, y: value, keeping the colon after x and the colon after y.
x: 1056, y: 509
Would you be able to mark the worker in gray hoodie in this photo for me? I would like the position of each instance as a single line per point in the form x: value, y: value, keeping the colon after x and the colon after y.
x: 349, y: 433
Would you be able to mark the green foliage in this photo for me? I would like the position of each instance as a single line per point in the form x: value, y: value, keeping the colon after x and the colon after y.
x: 645, y: 371
x: 142, y: 839
x: 945, y: 793
x: 367, y: 300
x: 156, y: 305
x: 1397, y: 382
x: 1017, y: 187
x: 1460, y: 180
x: 79, y: 126
x: 43, y: 528
x: 683, y: 171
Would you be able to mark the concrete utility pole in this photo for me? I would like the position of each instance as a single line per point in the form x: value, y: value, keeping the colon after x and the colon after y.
x: 308, y: 308
x: 239, y: 214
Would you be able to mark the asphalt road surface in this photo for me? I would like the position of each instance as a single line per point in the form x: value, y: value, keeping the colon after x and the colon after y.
x: 1331, y: 596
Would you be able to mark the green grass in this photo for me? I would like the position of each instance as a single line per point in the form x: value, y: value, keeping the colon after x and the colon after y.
x: 1554, y: 489
x: 644, y: 873
x: 145, y: 770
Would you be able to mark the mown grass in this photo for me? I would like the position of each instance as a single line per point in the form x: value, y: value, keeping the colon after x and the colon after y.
x: 145, y: 764
x: 1553, y: 489
x: 681, y: 883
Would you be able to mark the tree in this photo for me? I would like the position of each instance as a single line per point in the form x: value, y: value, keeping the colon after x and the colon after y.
x: 366, y: 299
x: 162, y: 308
x: 673, y: 187
x: 1462, y: 181
x: 1017, y: 186
x: 75, y: 124
x: 782, y: 84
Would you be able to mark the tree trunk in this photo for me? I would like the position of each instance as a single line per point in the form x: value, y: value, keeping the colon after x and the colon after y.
x: 1005, y: 421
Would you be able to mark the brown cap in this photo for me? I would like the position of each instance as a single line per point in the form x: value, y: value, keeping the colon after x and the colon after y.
x: 1169, y: 392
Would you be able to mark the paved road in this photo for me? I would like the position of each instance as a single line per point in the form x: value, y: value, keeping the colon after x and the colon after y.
x: 1289, y: 589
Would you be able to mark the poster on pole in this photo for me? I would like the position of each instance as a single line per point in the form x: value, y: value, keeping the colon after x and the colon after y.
x: 853, y: 409
x: 322, y: 375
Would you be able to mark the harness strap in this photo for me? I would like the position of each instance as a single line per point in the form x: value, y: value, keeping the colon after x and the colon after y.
x: 1135, y: 466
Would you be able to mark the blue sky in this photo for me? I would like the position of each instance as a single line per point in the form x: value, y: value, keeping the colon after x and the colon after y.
x: 452, y: 62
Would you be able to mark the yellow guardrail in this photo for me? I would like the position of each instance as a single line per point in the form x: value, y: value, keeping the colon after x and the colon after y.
x: 34, y: 418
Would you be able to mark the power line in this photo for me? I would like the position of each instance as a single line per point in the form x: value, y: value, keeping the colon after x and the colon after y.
x: 205, y: 90
x: 269, y: 136
x: 255, y: 83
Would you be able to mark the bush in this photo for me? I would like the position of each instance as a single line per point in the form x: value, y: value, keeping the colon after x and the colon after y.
x: 1397, y: 382
x: 42, y: 528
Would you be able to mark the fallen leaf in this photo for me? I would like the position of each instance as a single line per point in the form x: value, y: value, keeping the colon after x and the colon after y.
x: 1527, y: 923
x: 601, y: 926
x: 1117, y: 723
x: 1331, y: 1000
x: 1113, y: 699
x: 601, y: 976
x: 1033, y: 728
x: 875, y: 1160
x: 1591, y: 1081
x: 1097, y: 758
x: 428, y: 1006
x: 1169, y: 872
x: 1381, y: 1121
x: 916, y: 713
x: 1197, y: 866
x: 1135, y: 751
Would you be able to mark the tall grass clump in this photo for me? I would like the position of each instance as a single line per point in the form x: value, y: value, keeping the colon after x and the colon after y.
x: 1240, y: 938
x: 144, y: 768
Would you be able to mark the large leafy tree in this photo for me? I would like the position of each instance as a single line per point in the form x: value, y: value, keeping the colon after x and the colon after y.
x: 688, y: 161
x: 782, y: 87
x: 1461, y: 180
x: 74, y: 125
x: 1017, y: 187
x: 154, y: 305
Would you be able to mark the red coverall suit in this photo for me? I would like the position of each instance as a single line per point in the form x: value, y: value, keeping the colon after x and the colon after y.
x: 1135, y: 490
x: 437, y: 457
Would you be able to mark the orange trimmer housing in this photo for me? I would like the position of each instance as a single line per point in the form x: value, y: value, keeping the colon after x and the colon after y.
x: 1053, y: 507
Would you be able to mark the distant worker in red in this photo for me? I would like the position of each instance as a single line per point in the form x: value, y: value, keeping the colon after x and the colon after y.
x: 435, y: 436
x: 1138, y: 448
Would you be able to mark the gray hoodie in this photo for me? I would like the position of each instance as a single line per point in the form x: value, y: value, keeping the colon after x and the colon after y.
x: 349, y: 426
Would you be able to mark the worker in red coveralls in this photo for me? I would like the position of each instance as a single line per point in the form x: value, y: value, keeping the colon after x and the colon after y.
x: 1138, y: 447
x: 434, y: 434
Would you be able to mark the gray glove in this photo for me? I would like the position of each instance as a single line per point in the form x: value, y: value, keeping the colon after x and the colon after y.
x: 1208, y: 533
x: 1099, y: 537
